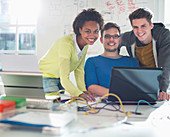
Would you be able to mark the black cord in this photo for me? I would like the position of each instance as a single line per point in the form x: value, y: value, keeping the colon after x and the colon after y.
x: 107, y: 103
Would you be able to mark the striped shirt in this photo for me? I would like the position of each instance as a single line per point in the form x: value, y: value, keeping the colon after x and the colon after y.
x: 145, y: 55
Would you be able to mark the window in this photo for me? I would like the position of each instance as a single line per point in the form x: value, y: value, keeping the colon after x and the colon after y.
x: 18, y: 26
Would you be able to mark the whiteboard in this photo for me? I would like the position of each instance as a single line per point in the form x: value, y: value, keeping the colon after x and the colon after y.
x: 56, y: 18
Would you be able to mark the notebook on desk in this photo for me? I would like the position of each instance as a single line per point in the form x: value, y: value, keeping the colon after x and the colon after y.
x: 134, y: 84
x: 28, y: 85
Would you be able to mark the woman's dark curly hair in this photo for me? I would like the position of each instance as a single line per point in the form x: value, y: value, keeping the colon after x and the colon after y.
x: 87, y: 15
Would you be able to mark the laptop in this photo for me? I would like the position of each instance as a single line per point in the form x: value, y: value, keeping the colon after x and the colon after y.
x: 19, y: 63
x: 132, y: 84
x: 22, y: 84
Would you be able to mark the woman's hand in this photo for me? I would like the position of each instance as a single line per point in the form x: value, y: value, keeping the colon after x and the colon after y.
x: 88, y: 96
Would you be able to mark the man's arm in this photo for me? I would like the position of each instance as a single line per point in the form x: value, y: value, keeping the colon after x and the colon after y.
x: 162, y: 37
x: 90, y: 73
x: 98, y: 90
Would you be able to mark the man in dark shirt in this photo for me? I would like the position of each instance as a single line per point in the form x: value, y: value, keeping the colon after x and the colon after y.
x: 149, y: 43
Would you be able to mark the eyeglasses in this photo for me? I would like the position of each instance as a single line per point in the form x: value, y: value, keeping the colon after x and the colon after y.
x: 107, y: 36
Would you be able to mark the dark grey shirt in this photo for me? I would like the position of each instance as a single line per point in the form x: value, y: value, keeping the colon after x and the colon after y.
x: 161, y: 42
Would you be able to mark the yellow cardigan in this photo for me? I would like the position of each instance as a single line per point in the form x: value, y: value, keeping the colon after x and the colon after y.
x: 62, y: 59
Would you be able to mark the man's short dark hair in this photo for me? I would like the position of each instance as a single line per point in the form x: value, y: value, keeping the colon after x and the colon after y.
x: 87, y: 15
x: 141, y: 13
x: 108, y: 26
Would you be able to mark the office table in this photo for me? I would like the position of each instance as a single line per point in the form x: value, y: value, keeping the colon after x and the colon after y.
x: 85, y: 125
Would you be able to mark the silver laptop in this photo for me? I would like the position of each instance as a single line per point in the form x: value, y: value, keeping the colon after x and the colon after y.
x: 134, y: 84
x: 22, y: 84
x: 19, y: 63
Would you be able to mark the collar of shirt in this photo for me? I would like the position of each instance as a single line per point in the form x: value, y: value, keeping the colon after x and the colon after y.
x: 79, y: 52
x: 139, y: 44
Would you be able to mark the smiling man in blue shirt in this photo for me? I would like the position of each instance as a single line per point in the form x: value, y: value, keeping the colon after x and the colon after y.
x: 98, y: 68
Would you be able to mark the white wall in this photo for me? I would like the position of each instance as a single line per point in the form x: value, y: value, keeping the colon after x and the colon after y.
x: 56, y: 17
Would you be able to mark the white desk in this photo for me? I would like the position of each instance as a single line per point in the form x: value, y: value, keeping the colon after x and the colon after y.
x: 103, y: 118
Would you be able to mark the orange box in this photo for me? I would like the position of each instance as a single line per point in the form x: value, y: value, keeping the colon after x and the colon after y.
x: 6, y: 106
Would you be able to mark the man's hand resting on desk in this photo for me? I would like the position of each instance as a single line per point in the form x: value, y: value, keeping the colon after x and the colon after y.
x: 163, y: 96
x: 88, y: 96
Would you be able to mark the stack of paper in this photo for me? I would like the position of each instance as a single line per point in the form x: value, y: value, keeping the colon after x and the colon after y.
x: 40, y: 119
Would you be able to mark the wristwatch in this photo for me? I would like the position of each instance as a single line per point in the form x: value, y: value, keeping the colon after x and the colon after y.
x: 162, y: 91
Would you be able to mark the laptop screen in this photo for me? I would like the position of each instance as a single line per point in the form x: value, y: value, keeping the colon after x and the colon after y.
x: 21, y: 84
x: 134, y: 84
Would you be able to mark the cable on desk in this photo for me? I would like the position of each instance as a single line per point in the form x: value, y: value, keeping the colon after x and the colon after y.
x: 98, y: 108
x: 85, y: 108
x: 92, y: 109
x: 104, y: 107
x: 111, y: 94
x: 72, y: 100
x: 146, y: 103
x: 57, y: 93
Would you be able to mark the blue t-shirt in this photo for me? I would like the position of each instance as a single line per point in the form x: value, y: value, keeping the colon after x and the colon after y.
x: 98, y: 69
